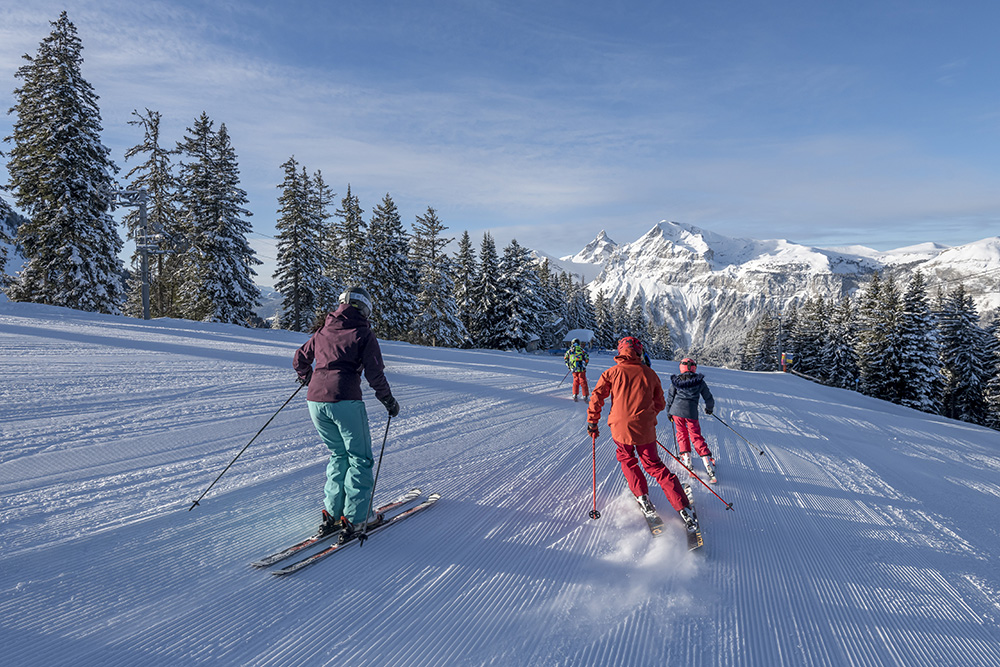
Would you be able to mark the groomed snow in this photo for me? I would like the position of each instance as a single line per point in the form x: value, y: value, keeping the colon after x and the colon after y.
x: 865, y: 535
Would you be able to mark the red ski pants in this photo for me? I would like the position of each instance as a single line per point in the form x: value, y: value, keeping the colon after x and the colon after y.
x: 580, y: 382
x: 689, y: 433
x: 650, y: 459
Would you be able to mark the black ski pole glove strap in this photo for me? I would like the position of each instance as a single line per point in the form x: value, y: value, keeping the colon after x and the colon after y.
x: 391, y: 404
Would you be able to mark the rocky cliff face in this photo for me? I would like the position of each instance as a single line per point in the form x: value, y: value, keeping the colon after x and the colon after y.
x: 710, y: 288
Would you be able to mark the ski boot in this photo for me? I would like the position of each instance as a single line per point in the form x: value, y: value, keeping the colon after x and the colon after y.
x: 576, y: 398
x: 709, y: 466
x: 328, y: 526
x: 349, y: 531
x: 645, y: 504
x: 686, y: 459
x: 687, y: 516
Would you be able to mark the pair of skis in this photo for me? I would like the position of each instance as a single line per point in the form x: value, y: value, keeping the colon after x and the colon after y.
x: 402, y: 501
x: 693, y: 532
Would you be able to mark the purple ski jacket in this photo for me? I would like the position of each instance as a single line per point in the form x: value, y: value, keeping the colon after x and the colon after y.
x: 342, y: 348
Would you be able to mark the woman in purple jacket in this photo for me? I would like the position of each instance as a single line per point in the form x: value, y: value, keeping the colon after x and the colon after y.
x: 341, y: 350
x: 682, y: 406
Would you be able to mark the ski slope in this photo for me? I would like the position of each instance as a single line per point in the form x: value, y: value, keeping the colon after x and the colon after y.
x: 866, y: 534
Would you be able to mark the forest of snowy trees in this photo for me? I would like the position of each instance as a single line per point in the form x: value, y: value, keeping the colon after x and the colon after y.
x: 897, y: 344
x: 200, y: 265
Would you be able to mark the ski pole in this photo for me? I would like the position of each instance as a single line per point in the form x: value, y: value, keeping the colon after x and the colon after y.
x: 729, y: 506
x: 673, y: 428
x: 760, y: 451
x: 564, y: 377
x: 594, y: 514
x: 195, y: 503
x: 364, y: 529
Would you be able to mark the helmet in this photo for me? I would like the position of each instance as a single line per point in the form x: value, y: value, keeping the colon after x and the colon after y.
x: 359, y: 298
x: 575, y: 341
x: 630, y: 343
x: 688, y: 365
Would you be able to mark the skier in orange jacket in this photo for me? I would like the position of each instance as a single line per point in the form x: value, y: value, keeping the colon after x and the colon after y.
x: 636, y: 399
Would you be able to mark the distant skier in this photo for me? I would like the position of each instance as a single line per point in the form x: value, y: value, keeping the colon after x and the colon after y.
x: 576, y: 359
x: 342, y: 349
x: 682, y: 406
x: 636, y: 399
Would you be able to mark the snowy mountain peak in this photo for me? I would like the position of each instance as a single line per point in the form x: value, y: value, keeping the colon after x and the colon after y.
x: 595, y: 252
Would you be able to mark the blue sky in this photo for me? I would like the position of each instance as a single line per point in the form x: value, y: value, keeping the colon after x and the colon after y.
x: 825, y: 123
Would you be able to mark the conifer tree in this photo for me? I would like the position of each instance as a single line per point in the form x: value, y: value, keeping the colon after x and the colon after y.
x: 840, y: 360
x: 299, y: 272
x: 436, y: 321
x: 488, y: 309
x: 6, y: 238
x: 966, y: 358
x: 155, y: 176
x: 466, y: 278
x: 321, y: 197
x: 218, y: 265
x: 874, y: 328
x: 519, y: 296
x: 603, y: 321
x: 347, y: 244
x: 919, y: 372
x: 62, y: 177
x: 553, y: 320
x: 993, y: 384
x: 809, y: 338
x: 390, y: 279
x: 760, y: 349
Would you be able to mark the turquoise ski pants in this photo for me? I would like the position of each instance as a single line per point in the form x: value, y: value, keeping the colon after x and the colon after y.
x: 344, y: 428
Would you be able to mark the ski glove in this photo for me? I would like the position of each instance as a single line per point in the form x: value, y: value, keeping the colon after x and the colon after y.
x: 391, y: 404
x: 708, y: 411
x: 592, y: 429
x: 304, y: 380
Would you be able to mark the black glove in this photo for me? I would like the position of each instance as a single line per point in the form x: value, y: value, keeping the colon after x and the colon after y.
x: 391, y: 404
x: 708, y: 411
x: 304, y: 380
x: 592, y: 429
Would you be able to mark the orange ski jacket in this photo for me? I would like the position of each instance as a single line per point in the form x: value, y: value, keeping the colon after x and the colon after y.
x: 636, y: 399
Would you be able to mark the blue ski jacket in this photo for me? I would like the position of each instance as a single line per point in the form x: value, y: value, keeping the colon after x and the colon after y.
x: 684, y: 392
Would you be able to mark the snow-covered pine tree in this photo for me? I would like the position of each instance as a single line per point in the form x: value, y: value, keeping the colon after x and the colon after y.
x: 61, y: 175
x: 489, y: 313
x: 920, y: 370
x: 603, y: 321
x: 993, y: 385
x: 155, y: 176
x: 760, y: 349
x: 6, y: 238
x: 466, y: 278
x: 553, y: 318
x: 809, y: 338
x: 787, y: 321
x: 619, y: 316
x: 389, y: 277
x: 660, y: 341
x: 840, y: 361
x: 346, y: 244
x: 436, y: 321
x: 519, y: 296
x: 321, y: 197
x: 578, y: 306
x: 299, y: 272
x: 966, y: 358
x: 874, y: 326
x: 218, y: 265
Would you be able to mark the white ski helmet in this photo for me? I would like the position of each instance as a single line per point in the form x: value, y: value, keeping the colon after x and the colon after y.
x: 359, y: 298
